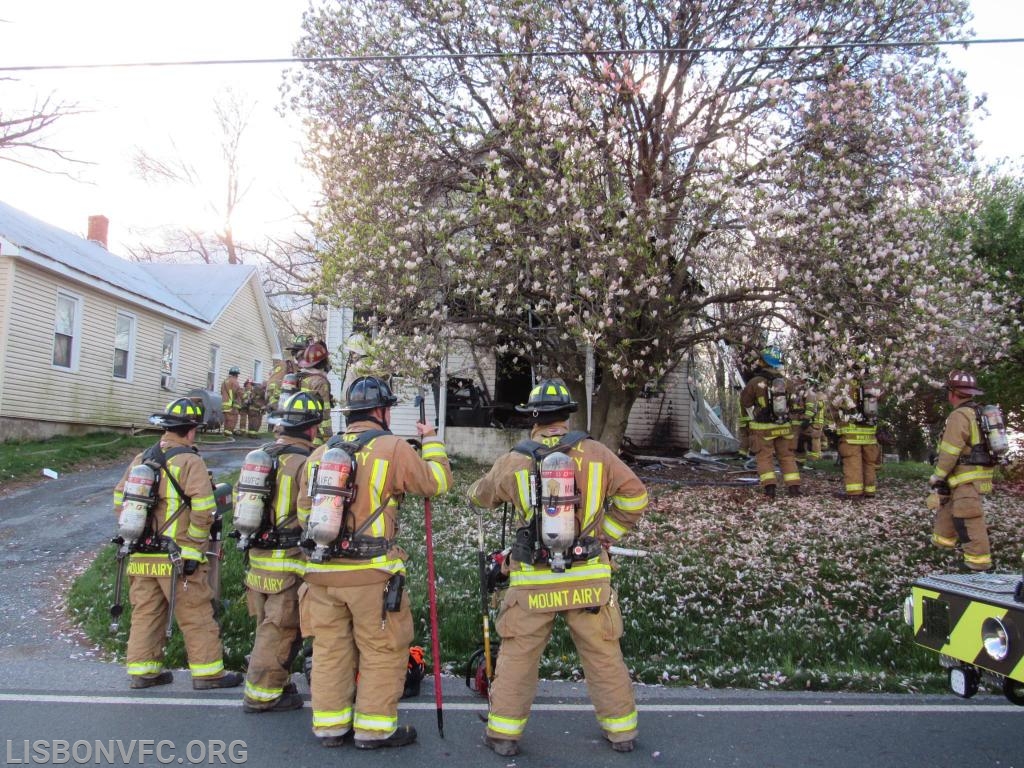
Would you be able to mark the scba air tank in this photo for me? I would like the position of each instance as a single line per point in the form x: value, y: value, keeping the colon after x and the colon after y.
x: 253, y: 494
x: 995, y: 429
x: 780, y: 401
x: 329, y: 497
x: 558, y: 517
x: 137, y: 501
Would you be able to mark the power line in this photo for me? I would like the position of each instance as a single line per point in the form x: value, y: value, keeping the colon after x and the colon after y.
x: 557, y: 53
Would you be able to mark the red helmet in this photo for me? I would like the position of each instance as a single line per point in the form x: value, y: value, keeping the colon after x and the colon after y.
x: 315, y: 354
x: 964, y: 383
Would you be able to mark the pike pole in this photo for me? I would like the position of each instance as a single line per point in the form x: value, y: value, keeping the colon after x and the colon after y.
x: 435, y: 642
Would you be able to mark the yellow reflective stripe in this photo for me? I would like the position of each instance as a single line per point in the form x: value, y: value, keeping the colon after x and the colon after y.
x: 382, y: 563
x: 278, y: 563
x: 523, y: 484
x: 509, y: 726
x: 262, y: 694
x: 850, y: 487
x: 385, y: 723
x: 330, y: 718
x: 433, y: 449
x: 204, y: 503
x: 630, y: 503
x: 283, y: 501
x: 198, y: 532
x: 981, y: 475
x: 439, y: 475
x: 191, y: 553
x: 619, y: 724
x: 377, y: 478
x: 940, y: 473
x: 977, y: 559
x: 949, y: 448
x: 207, y: 670
x: 612, y: 528
x: 118, y: 498
x: 765, y: 476
x: 790, y: 476
x: 943, y: 541
x: 173, y: 502
x: 528, y: 576
x: 145, y: 667
x: 595, y: 483
x: 856, y: 429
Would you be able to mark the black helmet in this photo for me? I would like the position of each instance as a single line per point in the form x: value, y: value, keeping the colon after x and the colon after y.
x: 299, y: 411
x: 367, y: 393
x: 182, y: 412
x: 549, y: 396
x: 234, y: 370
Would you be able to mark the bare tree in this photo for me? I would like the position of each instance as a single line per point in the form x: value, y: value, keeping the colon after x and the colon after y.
x: 23, y: 133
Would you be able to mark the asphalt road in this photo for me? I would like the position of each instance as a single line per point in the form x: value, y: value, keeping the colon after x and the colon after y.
x: 56, y: 688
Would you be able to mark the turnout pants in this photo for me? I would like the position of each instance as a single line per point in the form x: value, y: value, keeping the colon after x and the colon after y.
x: 275, y: 646
x: 960, y: 519
x: 193, y: 610
x: 230, y: 420
x: 350, y: 635
x: 525, y: 634
x: 860, y: 467
x: 767, y: 450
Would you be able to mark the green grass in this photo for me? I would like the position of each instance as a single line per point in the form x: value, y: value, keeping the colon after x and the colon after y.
x: 801, y: 594
x: 26, y: 460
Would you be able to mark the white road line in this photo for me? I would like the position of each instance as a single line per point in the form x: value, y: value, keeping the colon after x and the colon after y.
x: 171, y: 701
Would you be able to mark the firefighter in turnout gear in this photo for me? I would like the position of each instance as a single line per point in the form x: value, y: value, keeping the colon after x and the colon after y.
x: 283, y: 367
x: 231, y: 395
x: 857, y: 427
x: 963, y: 473
x: 809, y: 421
x: 353, y: 603
x: 167, y: 566
x: 766, y: 400
x: 588, y: 499
x: 276, y: 564
x: 314, y: 364
x: 252, y: 408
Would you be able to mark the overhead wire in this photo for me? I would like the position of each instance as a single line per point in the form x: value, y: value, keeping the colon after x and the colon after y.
x: 555, y: 53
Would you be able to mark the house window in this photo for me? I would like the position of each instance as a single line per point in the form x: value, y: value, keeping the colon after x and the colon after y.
x: 211, y: 374
x: 169, y: 359
x: 66, y: 331
x: 257, y: 371
x: 124, y: 346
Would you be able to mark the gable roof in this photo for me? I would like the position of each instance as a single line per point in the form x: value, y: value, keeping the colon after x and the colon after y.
x: 195, y: 294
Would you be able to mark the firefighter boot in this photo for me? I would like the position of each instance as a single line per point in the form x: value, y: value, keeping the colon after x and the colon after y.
x: 503, y: 747
x: 769, y: 491
x: 405, y: 734
x: 331, y: 742
x: 227, y: 680
x: 623, y: 746
x: 794, y: 490
x: 286, y: 702
x: 138, y: 681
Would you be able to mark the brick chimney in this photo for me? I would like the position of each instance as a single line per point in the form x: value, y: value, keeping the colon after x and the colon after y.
x: 98, y: 226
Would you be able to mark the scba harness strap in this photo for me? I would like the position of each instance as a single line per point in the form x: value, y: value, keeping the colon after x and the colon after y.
x: 528, y: 546
x: 153, y: 540
x: 272, y: 535
x: 353, y: 545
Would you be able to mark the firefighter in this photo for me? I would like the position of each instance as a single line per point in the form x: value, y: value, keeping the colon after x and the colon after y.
x: 541, y: 588
x: 256, y: 401
x: 179, y: 525
x: 857, y: 429
x: 963, y: 473
x: 283, y: 367
x: 766, y: 399
x: 809, y: 420
x: 353, y: 603
x: 314, y: 364
x: 275, y: 561
x: 231, y: 395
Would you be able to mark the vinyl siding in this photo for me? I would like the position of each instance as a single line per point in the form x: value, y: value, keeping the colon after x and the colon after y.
x: 6, y: 272
x: 663, y: 420
x: 33, y: 388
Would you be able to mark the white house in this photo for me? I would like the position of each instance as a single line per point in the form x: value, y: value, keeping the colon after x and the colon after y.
x: 90, y: 340
x: 670, y: 416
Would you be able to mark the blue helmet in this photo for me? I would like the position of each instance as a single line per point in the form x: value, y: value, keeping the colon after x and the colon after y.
x: 772, y: 356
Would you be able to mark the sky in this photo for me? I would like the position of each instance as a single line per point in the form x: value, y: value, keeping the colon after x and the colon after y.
x: 169, y: 112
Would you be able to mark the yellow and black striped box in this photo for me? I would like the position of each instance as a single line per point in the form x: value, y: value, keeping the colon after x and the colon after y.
x: 977, y: 619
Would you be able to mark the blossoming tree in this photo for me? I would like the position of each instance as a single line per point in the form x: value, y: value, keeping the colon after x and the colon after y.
x: 636, y: 178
